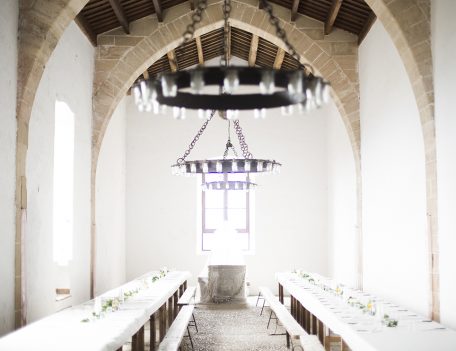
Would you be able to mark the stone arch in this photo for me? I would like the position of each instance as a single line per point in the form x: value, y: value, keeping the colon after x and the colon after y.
x: 408, y: 22
x: 113, y: 79
x: 121, y: 59
x: 41, y: 25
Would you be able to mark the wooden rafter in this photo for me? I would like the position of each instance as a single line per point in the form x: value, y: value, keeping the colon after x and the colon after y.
x: 294, y: 10
x: 228, y: 54
x: 260, y: 4
x: 86, y: 28
x: 199, y: 48
x: 120, y: 14
x: 158, y: 10
x: 279, y: 58
x: 332, y: 15
x: 146, y: 74
x: 192, y: 4
x: 253, y: 50
x: 172, y: 60
x: 367, y: 26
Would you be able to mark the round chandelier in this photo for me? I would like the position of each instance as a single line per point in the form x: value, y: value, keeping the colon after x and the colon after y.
x: 276, y: 88
x: 225, y: 165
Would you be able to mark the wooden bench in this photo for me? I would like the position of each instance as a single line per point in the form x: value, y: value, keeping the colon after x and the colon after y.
x: 187, y: 296
x: 294, y: 332
x: 176, y: 331
x: 185, y: 300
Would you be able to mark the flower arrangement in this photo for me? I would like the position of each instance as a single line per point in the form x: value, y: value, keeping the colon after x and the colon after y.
x: 389, y: 322
x: 113, y: 304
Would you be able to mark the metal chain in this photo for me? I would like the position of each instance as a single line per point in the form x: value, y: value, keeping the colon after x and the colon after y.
x: 226, y: 32
x: 242, y: 143
x: 273, y: 20
x: 181, y: 160
x: 196, y: 18
x: 229, y: 144
x: 190, y: 30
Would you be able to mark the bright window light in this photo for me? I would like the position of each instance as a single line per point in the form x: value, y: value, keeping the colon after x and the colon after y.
x: 63, y: 183
x: 226, y: 208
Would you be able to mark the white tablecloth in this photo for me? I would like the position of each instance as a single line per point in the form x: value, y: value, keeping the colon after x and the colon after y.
x: 65, y: 331
x: 365, y: 332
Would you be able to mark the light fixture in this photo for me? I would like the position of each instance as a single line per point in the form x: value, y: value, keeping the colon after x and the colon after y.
x: 276, y: 88
x: 225, y: 165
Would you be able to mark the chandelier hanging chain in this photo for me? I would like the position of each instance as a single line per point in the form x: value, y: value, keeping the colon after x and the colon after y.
x: 244, y: 147
x: 229, y: 144
x: 181, y: 160
x: 224, y: 60
x: 190, y: 30
x: 273, y: 20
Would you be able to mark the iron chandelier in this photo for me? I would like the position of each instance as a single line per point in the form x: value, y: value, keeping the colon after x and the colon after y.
x: 247, y: 164
x: 276, y: 88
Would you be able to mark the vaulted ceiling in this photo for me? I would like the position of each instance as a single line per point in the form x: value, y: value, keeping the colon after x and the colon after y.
x: 100, y: 16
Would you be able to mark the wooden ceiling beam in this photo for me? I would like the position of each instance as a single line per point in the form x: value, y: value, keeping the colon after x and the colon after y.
x: 199, y: 48
x: 366, y: 28
x: 86, y: 28
x: 192, y: 4
x: 253, y: 50
x: 229, y: 43
x: 120, y: 14
x: 279, y: 58
x: 146, y: 74
x: 158, y: 10
x: 294, y: 10
x: 332, y: 15
x: 172, y: 60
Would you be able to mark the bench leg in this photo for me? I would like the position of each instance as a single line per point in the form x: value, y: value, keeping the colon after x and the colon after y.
x: 190, y: 337
x: 270, y: 317
x: 262, y: 308
x: 258, y: 298
x: 288, y: 340
x: 194, y: 322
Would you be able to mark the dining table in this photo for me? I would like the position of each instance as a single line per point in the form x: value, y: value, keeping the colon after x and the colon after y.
x: 364, y: 321
x: 84, y: 327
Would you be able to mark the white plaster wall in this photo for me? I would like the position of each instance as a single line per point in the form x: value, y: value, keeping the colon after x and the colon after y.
x: 291, y: 208
x: 110, y: 205
x: 9, y: 12
x: 68, y: 77
x: 342, y: 230
x: 394, y: 200
x: 444, y: 56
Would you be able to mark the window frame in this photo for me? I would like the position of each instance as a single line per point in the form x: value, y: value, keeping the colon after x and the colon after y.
x: 202, y: 230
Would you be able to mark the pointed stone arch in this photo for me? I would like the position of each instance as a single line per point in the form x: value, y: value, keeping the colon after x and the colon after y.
x: 408, y: 22
x: 121, y: 59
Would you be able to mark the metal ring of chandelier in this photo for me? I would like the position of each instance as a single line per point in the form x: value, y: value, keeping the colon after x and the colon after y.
x: 220, y: 166
x: 229, y: 185
x: 294, y: 88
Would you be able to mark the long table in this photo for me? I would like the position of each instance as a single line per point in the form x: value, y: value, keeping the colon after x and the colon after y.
x: 66, y: 330
x: 361, y: 331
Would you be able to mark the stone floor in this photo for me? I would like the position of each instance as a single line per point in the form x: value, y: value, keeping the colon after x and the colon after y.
x: 233, y: 327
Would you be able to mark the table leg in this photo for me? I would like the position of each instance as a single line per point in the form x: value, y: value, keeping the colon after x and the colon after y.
x: 170, y: 311
x: 175, y: 307
x: 152, y: 332
x: 162, y: 329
